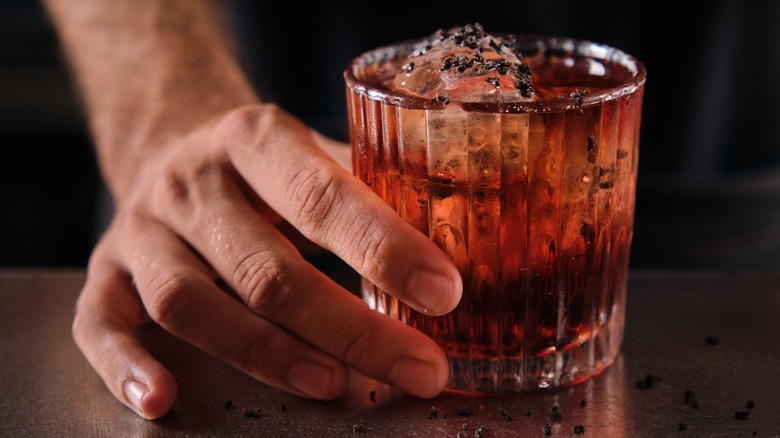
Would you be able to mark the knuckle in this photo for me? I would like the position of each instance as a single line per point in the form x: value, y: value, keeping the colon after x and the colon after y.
x: 166, y: 292
x: 265, y: 281
x: 370, y: 243
x: 171, y: 187
x: 316, y: 192
x: 180, y: 188
x: 246, y: 125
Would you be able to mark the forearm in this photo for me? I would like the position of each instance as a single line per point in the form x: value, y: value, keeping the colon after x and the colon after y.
x: 148, y: 70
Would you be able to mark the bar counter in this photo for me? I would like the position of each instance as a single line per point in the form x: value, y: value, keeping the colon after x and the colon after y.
x: 701, y: 358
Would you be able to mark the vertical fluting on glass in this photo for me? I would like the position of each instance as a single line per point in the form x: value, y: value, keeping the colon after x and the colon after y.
x: 545, y: 170
x: 447, y: 179
x: 608, y: 181
x: 579, y: 191
x: 484, y: 214
x: 535, y: 209
x: 513, y: 247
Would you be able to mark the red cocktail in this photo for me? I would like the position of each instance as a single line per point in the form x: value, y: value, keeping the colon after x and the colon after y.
x: 517, y: 156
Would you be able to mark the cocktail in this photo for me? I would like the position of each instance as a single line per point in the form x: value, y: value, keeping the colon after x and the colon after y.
x: 516, y: 155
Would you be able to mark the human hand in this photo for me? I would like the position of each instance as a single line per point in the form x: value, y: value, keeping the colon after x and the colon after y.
x: 202, y: 207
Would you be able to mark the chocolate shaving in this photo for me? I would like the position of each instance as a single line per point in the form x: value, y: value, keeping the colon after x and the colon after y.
x: 439, y: 99
x: 555, y: 414
x: 647, y: 382
x: 591, y: 142
x: 494, y: 81
x: 465, y: 412
x: 690, y: 399
x: 578, y: 95
x: 252, y: 413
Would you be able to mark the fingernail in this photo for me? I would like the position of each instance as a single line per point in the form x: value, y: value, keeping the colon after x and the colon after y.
x: 311, y: 379
x: 134, y: 392
x: 414, y: 377
x: 432, y: 290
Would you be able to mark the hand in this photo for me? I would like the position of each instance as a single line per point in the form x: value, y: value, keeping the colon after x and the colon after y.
x: 202, y: 207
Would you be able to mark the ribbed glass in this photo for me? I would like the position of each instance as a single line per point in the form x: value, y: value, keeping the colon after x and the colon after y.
x: 533, y: 202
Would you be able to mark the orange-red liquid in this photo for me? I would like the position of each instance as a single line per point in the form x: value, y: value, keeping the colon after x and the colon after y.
x: 535, y: 209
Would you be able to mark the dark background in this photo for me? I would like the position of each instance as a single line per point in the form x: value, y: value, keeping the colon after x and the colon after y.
x: 48, y: 176
x: 709, y: 184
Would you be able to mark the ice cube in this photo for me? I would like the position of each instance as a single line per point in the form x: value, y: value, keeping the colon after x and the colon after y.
x: 465, y: 64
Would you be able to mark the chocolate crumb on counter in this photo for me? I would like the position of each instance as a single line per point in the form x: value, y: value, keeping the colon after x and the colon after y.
x: 465, y: 412
x: 528, y: 413
x: 578, y: 429
x: 682, y: 426
x: 547, y: 430
x: 480, y: 432
x: 555, y: 414
x: 505, y: 415
x: 751, y: 404
x: 690, y: 399
x: 583, y: 403
x: 228, y: 405
x: 742, y: 415
x: 372, y: 396
x: 647, y: 382
x: 359, y: 428
x: 712, y: 340
x: 434, y: 413
x: 282, y: 407
x: 252, y: 413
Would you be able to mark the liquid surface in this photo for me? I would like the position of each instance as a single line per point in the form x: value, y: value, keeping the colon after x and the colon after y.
x: 469, y: 65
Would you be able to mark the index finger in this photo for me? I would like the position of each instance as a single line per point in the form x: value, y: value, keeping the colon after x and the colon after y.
x: 278, y: 157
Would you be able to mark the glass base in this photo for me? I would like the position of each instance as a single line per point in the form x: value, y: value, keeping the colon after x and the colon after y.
x: 572, y: 362
x: 554, y: 370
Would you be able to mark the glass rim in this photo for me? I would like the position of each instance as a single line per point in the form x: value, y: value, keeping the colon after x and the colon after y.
x: 539, y: 42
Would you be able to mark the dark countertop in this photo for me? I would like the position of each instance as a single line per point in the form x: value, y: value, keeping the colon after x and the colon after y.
x: 716, y: 334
